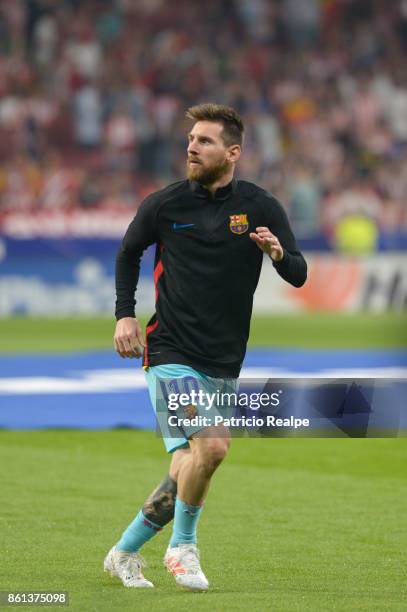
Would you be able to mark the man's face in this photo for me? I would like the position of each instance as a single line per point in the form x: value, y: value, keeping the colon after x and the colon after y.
x: 208, y: 156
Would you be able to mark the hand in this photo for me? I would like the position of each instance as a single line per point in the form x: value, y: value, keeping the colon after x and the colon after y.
x: 268, y: 243
x: 128, y: 338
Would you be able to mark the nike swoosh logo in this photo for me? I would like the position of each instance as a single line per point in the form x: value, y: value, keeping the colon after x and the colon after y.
x: 177, y: 226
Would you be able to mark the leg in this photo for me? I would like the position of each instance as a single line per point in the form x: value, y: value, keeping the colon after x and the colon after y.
x: 178, y: 458
x: 208, y: 449
x: 159, y: 506
x: 158, y: 509
x: 197, y: 468
x: 123, y: 560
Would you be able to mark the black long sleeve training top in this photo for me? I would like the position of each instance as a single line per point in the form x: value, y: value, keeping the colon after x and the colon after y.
x: 206, y: 271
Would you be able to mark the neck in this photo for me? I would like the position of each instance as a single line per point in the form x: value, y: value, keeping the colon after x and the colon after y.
x: 222, y: 182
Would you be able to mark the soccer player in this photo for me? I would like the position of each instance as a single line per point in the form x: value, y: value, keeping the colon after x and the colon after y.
x: 211, y: 232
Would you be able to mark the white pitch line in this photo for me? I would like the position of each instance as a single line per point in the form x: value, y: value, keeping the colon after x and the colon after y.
x: 118, y: 381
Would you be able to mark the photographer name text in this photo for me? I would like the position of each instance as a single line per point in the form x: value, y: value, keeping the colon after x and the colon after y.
x: 252, y: 421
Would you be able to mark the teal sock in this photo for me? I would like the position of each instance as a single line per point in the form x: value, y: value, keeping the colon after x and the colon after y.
x: 137, y: 533
x: 185, y: 521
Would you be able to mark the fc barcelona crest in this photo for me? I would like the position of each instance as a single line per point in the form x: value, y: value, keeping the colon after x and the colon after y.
x: 190, y: 411
x: 238, y: 224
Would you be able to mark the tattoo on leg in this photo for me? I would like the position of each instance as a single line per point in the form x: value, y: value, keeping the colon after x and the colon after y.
x: 159, y: 506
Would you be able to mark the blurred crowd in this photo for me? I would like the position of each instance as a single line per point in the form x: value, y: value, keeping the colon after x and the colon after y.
x: 93, y: 95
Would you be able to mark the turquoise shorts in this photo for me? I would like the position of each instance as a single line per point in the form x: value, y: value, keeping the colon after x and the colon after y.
x: 186, y: 401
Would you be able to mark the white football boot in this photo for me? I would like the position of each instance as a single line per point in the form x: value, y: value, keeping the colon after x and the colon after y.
x: 126, y: 566
x: 183, y: 563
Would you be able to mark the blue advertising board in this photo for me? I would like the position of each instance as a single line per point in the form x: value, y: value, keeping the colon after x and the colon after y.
x: 64, y: 276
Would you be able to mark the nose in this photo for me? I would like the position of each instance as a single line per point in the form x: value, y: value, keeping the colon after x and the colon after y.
x: 193, y: 147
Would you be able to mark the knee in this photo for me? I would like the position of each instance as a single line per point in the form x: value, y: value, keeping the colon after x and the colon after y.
x: 211, y: 453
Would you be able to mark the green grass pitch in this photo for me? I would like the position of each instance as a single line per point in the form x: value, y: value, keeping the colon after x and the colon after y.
x: 289, y: 525
x: 292, y: 525
x: 318, y: 330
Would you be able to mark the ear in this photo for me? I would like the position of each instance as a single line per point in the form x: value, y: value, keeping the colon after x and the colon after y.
x: 234, y: 152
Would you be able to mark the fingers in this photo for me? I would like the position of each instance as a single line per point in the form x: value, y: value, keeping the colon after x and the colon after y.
x: 140, y: 337
x: 128, y: 338
x: 256, y: 238
x: 268, y: 242
x: 265, y: 237
x: 127, y: 347
x: 263, y: 229
x: 264, y: 232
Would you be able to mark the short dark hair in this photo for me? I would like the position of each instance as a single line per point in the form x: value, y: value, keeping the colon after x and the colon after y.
x: 233, y: 127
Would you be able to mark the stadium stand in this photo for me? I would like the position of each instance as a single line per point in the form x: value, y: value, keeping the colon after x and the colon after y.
x: 93, y: 94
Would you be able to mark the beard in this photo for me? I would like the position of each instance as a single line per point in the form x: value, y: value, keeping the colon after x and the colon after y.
x: 207, y: 175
